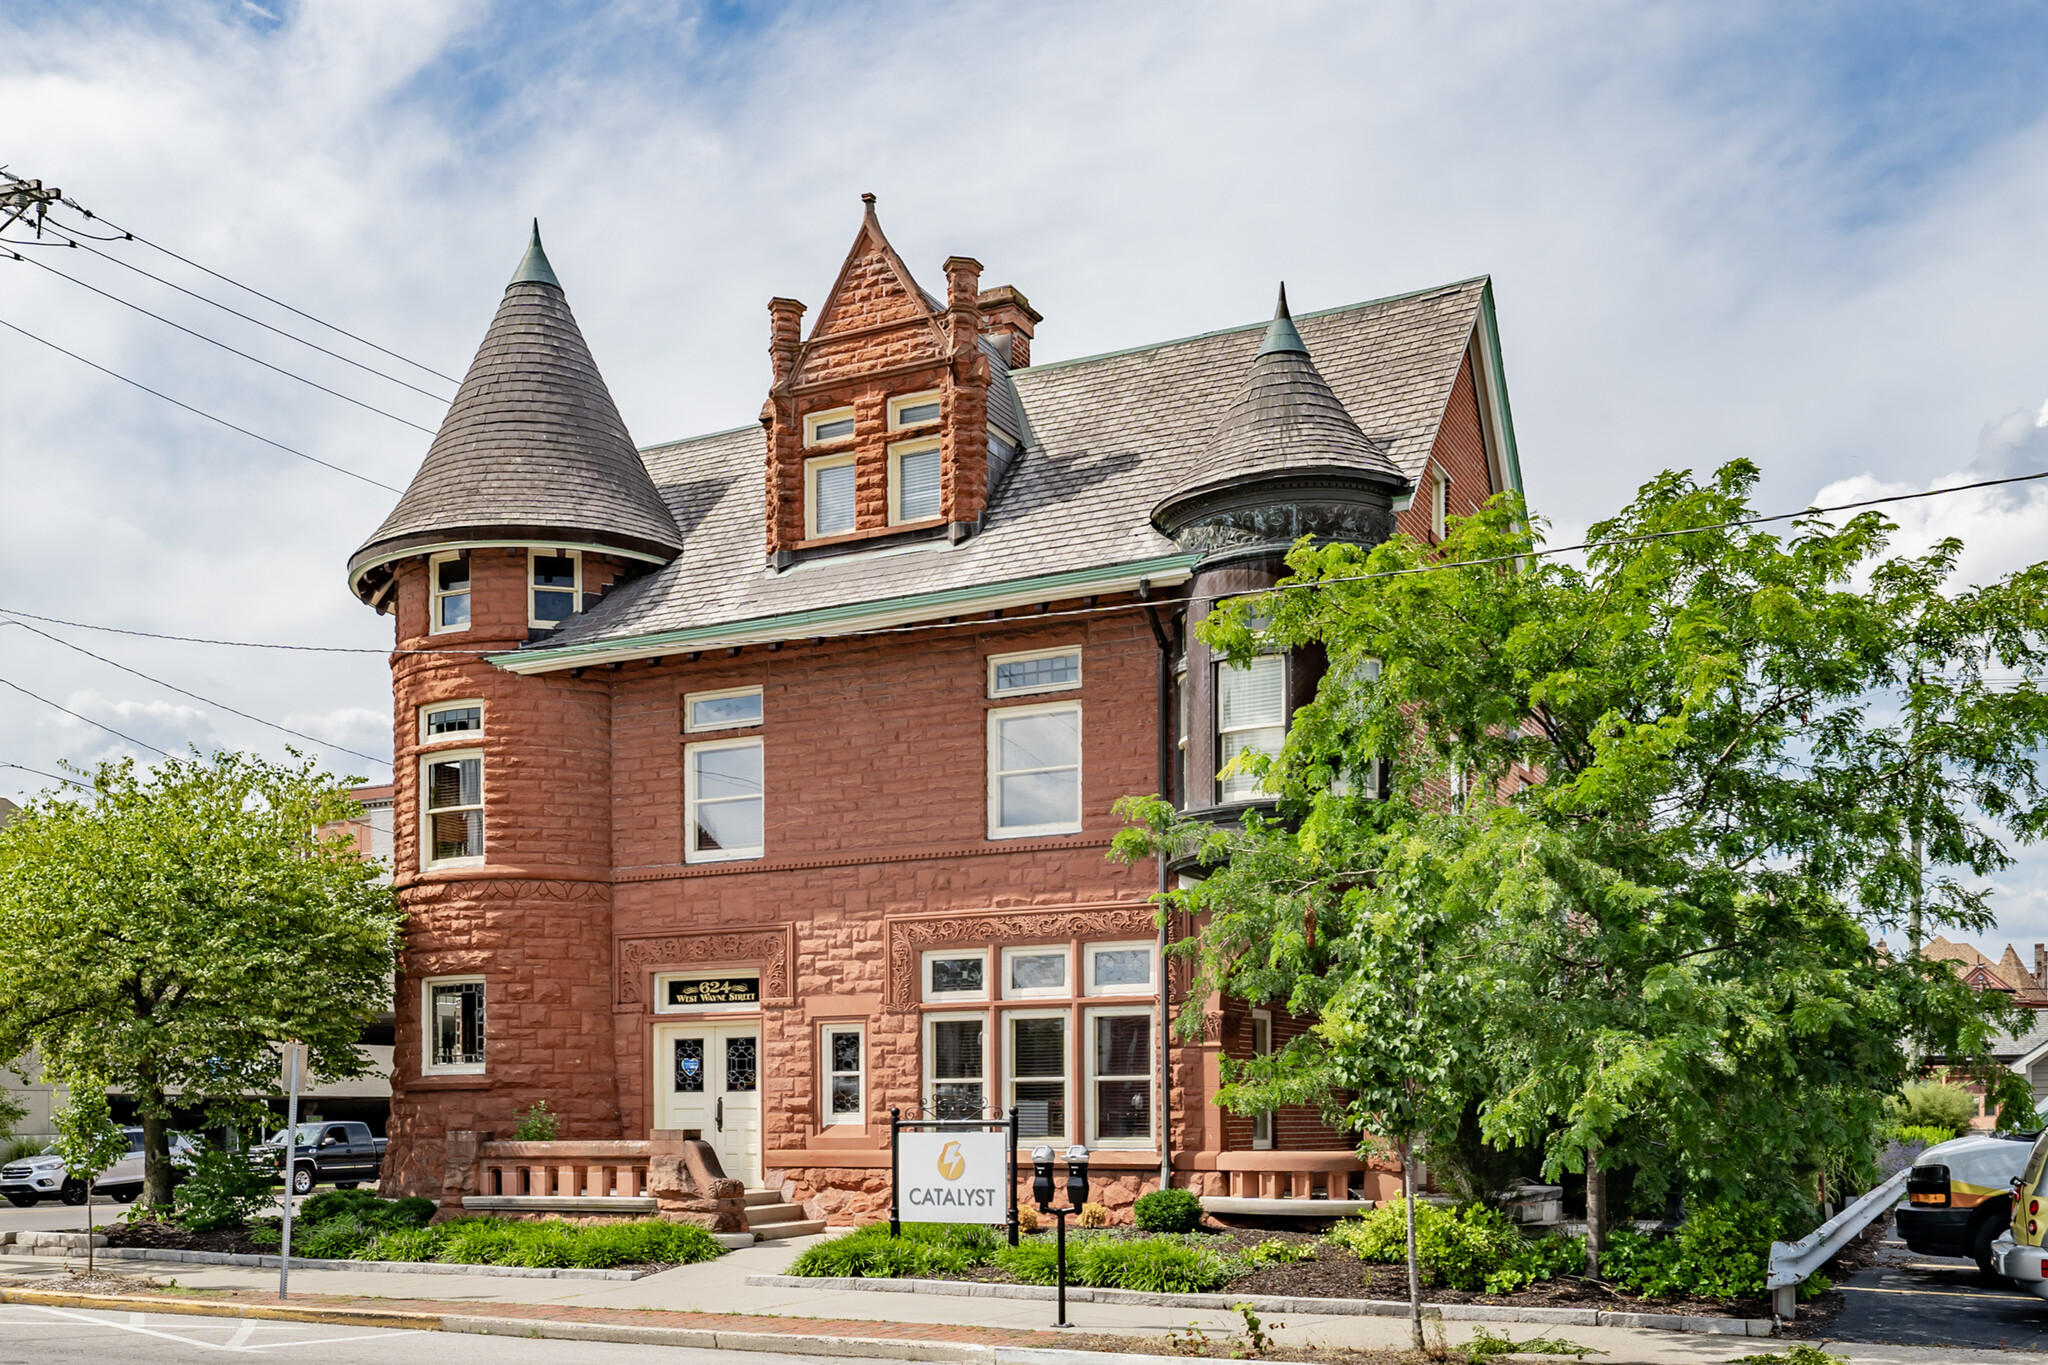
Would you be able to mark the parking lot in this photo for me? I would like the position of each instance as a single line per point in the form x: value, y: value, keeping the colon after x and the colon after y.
x: 1908, y: 1299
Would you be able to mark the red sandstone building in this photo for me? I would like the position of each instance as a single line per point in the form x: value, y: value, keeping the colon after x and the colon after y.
x: 755, y: 783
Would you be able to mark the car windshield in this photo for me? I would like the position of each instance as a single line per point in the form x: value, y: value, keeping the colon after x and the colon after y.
x: 307, y: 1135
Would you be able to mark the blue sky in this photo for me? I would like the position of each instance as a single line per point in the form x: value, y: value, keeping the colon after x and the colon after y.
x: 1808, y: 235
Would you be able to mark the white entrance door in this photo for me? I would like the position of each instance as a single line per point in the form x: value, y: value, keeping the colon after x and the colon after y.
x: 707, y: 1077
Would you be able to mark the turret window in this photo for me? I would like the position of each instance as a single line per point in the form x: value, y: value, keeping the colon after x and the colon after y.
x: 454, y: 809
x: 449, y: 575
x: 557, y: 578
x: 1251, y: 718
x: 828, y: 501
x: 914, y: 481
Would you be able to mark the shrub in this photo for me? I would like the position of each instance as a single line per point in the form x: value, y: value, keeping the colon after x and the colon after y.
x: 1094, y: 1216
x: 1168, y: 1211
x: 1935, y: 1104
x: 1027, y: 1218
x: 1269, y: 1251
x: 266, y: 1235
x: 21, y: 1148
x: 1148, y: 1264
x: 924, y: 1249
x: 1463, y: 1248
x: 603, y: 1245
x: 405, y: 1244
x: 337, y: 1239
x: 363, y: 1206
x: 1032, y: 1261
x: 1720, y: 1251
x: 538, y: 1125
x: 1921, y: 1133
x: 220, y: 1190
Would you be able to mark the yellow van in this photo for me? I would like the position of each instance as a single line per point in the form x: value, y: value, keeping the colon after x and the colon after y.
x: 2022, y: 1261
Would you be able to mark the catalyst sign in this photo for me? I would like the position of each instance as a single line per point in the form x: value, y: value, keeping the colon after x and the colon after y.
x: 953, y: 1177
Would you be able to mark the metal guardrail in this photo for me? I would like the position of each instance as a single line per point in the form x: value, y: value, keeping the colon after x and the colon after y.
x: 1793, y: 1262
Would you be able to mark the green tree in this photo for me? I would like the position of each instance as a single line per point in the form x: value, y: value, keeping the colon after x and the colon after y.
x: 1645, y: 816
x: 88, y: 1141
x: 162, y: 932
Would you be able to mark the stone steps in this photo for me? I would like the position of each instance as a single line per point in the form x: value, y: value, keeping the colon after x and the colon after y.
x: 771, y: 1219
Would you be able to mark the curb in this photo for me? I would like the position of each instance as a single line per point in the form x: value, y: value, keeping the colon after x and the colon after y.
x: 215, y: 1308
x: 1449, y: 1312
x: 518, y: 1272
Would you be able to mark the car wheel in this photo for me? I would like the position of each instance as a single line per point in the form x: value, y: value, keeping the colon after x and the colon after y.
x: 22, y: 1201
x: 1989, y: 1226
x: 346, y: 1184
x: 302, y: 1180
x: 125, y: 1196
x: 73, y: 1192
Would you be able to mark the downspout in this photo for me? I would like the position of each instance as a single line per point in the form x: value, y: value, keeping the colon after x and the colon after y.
x: 1167, y: 738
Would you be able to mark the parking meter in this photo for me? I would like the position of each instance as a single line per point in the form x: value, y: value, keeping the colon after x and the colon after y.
x: 1041, y: 1178
x: 1077, y: 1175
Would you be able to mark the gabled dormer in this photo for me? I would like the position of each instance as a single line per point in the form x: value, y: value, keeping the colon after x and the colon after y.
x: 879, y: 423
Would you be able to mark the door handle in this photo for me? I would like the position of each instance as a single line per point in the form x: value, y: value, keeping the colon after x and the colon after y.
x: 718, y: 1114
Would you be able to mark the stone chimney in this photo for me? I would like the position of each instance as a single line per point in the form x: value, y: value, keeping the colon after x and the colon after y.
x: 1007, y: 316
x: 785, y: 336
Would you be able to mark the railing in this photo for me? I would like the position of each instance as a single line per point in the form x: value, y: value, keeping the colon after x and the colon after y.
x: 669, y: 1174
x: 563, y: 1170
x: 1295, y: 1175
x: 1793, y: 1262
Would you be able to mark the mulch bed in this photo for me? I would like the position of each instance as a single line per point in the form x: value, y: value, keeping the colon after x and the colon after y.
x: 171, y: 1237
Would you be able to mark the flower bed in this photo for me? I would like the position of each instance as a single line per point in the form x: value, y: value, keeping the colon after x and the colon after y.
x: 355, y: 1225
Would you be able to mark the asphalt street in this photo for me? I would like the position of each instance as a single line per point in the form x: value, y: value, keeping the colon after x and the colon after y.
x: 61, y: 1336
x: 1908, y: 1299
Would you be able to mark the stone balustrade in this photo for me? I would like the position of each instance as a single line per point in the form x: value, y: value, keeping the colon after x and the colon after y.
x: 667, y: 1176
x: 578, y: 1170
x: 1282, y: 1183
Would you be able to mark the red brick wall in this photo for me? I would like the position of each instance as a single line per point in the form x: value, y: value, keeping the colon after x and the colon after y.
x: 1460, y: 450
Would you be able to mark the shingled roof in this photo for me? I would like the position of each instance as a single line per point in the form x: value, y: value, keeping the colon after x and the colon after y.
x: 1106, y: 438
x: 532, y: 450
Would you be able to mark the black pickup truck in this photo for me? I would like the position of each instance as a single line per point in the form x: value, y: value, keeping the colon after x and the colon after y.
x: 341, y: 1154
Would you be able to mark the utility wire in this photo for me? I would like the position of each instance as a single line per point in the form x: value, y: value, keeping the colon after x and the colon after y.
x: 87, y: 719
x: 214, y: 341
x: 223, y: 706
x: 127, y: 235
x: 198, y: 412
x: 54, y: 777
x: 233, y: 312
x: 234, y: 644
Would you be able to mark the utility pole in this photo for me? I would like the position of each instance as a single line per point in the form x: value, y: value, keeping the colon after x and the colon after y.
x: 19, y: 198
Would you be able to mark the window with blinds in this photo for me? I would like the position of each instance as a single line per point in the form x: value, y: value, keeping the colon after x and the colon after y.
x: 914, y: 481
x: 1251, y: 717
x: 829, y: 508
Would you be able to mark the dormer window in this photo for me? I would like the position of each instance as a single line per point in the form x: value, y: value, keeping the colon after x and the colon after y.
x: 450, y: 580
x: 557, y: 577
x: 913, y: 481
x: 913, y: 410
x: 823, y: 428
x: 828, y: 496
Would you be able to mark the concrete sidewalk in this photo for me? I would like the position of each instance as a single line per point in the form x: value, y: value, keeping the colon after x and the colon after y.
x: 716, y: 1294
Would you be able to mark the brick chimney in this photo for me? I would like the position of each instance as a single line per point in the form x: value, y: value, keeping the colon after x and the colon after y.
x: 1007, y: 316
x: 785, y: 336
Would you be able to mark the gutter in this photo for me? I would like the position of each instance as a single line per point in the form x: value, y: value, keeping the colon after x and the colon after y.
x: 856, y: 618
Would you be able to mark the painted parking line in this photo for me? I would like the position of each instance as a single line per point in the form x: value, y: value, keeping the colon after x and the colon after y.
x: 1930, y: 1293
x: 238, y: 1341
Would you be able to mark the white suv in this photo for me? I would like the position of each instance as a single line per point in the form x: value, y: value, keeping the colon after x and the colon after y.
x: 44, y: 1177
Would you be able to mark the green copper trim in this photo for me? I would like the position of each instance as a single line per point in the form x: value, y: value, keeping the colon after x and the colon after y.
x: 534, y: 269
x: 1281, y: 336
x: 1500, y: 390
x: 855, y: 617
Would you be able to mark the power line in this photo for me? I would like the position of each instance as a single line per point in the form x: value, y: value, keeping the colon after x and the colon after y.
x: 54, y: 777
x: 87, y: 719
x: 183, y: 692
x: 214, y: 341
x: 233, y: 644
x: 198, y: 412
x: 233, y: 312
x: 128, y: 235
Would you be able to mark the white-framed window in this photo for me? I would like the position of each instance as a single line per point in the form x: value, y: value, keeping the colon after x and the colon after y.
x: 452, y: 1025
x: 913, y: 481
x: 829, y: 508
x: 1036, y: 670
x: 1251, y: 718
x: 729, y: 709
x: 1034, y: 770
x: 1035, y: 1062
x: 722, y: 796
x: 956, y: 1066
x: 1262, y: 1046
x: 451, y: 720
x: 448, y: 580
x: 1036, y: 973
x: 842, y: 1049
x: 913, y: 410
x: 1121, y: 968
x: 823, y: 428
x: 555, y: 586
x: 956, y: 975
x: 1439, y: 501
x: 1120, y: 1066
x: 452, y: 809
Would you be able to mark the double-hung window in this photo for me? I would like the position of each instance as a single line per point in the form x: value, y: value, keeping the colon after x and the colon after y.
x: 453, y: 809
x: 452, y: 1012
x: 913, y: 481
x: 722, y: 793
x: 1251, y: 718
x: 449, y: 582
x: 1120, y: 1075
x: 557, y: 579
x: 956, y: 1067
x: 1038, y: 1072
x: 829, y: 508
x: 1262, y: 1045
x: 1034, y: 770
x: 845, y: 1096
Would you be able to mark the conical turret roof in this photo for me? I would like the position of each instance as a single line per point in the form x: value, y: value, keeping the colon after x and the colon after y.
x: 1285, y: 421
x: 532, y: 449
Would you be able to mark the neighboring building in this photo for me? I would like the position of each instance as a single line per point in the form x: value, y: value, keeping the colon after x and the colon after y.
x: 2007, y: 974
x: 765, y: 781
x: 372, y: 831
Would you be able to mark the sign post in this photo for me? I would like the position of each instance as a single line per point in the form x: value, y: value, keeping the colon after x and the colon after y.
x: 953, y: 1171
x: 292, y: 1062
